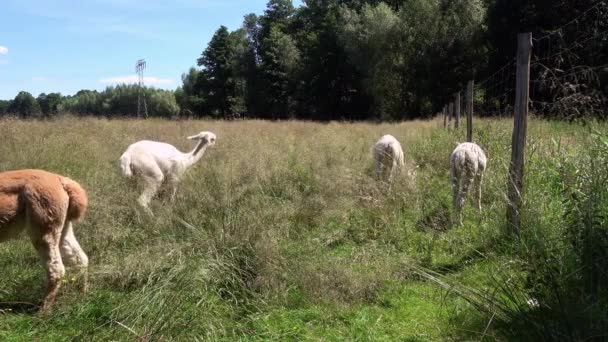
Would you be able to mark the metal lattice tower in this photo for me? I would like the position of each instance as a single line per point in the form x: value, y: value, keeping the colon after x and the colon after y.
x: 141, y: 94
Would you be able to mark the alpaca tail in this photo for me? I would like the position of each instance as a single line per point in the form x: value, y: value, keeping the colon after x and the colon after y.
x: 125, y: 164
x: 78, y: 199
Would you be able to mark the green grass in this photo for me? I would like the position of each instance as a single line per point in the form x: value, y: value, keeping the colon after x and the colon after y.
x: 281, y: 233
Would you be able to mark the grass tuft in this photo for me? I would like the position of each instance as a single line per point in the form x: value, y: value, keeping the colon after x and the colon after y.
x: 281, y: 232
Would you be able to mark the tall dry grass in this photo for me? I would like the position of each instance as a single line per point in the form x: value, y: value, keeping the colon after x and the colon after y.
x: 277, y: 218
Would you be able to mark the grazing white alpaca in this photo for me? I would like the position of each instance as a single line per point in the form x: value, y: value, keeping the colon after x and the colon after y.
x: 45, y: 204
x: 467, y: 165
x: 155, y: 162
x: 388, y: 156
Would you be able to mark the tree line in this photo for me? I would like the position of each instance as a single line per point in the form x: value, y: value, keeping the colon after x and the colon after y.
x: 114, y: 101
x: 338, y: 59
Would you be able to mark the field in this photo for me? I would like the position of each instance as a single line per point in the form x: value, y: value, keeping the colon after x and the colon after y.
x: 280, y: 232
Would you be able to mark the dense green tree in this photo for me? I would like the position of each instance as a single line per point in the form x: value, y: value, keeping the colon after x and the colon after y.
x: 215, y: 61
x: 280, y: 62
x: 403, y: 55
x: 253, y: 99
x: 189, y: 96
x: 223, y: 80
x: 83, y: 102
x: 238, y: 63
x: 363, y: 59
x: 163, y: 104
x: 330, y: 86
x: 277, y: 15
x: 372, y: 39
x: 4, y: 104
x: 25, y: 105
x: 49, y: 104
x: 120, y: 100
x: 448, y: 50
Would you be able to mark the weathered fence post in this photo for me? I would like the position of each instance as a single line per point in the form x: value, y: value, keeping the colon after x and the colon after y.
x: 450, y: 113
x: 518, y: 148
x: 469, y: 109
x: 445, y: 116
x: 457, y: 109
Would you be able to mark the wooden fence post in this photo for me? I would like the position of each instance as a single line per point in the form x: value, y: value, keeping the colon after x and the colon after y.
x: 518, y: 148
x: 445, y: 116
x: 457, y: 110
x: 469, y: 109
x: 450, y: 113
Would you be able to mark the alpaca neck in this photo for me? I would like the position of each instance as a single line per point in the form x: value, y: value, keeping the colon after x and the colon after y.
x: 195, y: 155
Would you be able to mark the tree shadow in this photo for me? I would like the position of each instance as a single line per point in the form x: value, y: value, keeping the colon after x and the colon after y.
x: 437, y: 220
x: 493, y: 245
x: 457, y: 266
x: 18, y: 308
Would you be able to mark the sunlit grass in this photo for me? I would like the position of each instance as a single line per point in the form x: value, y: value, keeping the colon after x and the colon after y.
x: 280, y: 232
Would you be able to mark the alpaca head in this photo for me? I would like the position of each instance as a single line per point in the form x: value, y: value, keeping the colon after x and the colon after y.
x: 207, y: 138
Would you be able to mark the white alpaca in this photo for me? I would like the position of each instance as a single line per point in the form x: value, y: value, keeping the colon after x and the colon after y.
x: 388, y: 156
x: 45, y: 204
x: 467, y: 165
x: 155, y: 162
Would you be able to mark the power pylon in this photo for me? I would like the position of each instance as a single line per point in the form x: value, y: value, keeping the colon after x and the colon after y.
x: 141, y: 94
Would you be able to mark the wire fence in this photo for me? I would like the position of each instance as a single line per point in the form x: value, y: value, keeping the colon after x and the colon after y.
x: 561, y: 73
x: 568, y: 72
x: 495, y: 95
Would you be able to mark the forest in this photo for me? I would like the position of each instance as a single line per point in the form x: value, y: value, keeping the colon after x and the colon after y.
x: 370, y: 60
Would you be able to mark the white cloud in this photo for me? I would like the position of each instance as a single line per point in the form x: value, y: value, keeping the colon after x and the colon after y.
x: 3, y: 50
x: 148, y: 80
x: 39, y: 78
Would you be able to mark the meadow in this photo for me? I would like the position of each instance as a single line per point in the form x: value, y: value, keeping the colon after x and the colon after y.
x: 280, y: 232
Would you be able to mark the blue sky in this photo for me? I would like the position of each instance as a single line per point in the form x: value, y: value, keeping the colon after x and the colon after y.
x: 68, y: 45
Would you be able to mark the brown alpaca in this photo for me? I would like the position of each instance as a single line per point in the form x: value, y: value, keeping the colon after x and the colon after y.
x: 45, y: 204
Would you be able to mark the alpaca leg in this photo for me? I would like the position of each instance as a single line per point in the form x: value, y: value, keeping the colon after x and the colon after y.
x: 389, y: 163
x: 173, y: 187
x: 466, y: 185
x: 387, y: 168
x: 152, y: 183
x: 379, y: 167
x: 478, y: 182
x: 455, y: 188
x: 388, y: 174
x: 47, y: 245
x: 382, y: 172
x: 392, y: 172
x: 73, y: 255
x: 382, y: 169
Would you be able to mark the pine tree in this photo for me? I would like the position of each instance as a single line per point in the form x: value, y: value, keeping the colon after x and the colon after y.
x: 215, y: 61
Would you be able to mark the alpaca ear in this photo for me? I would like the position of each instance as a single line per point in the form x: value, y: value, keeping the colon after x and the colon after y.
x: 194, y: 137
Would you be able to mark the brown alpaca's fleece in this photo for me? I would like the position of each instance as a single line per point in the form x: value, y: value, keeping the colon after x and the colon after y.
x: 46, y: 204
